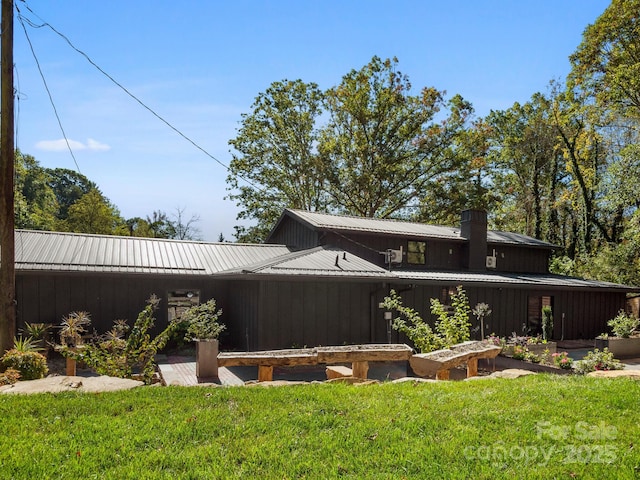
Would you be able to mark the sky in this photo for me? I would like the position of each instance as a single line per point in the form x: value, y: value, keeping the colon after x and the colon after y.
x: 199, y: 64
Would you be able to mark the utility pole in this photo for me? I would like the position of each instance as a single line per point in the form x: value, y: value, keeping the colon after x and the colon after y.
x: 7, y: 159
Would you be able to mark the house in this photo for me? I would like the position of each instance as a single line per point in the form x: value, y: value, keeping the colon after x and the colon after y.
x: 318, y: 279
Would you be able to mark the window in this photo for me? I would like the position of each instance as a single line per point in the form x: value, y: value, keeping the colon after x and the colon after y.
x: 417, y: 253
x: 181, y: 300
x: 534, y: 313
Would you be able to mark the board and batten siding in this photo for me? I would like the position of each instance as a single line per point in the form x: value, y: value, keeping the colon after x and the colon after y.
x: 294, y: 234
x: 47, y: 298
x: 294, y: 314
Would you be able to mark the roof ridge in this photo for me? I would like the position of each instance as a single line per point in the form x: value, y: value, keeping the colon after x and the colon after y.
x: 155, y: 239
x: 377, y: 219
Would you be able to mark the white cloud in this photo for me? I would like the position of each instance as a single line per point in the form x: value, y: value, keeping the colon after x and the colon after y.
x: 96, y: 146
x: 61, y: 145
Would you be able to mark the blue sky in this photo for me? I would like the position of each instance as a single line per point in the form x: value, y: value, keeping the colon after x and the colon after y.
x: 200, y: 63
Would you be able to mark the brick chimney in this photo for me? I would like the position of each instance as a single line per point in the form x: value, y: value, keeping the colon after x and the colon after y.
x: 473, y: 228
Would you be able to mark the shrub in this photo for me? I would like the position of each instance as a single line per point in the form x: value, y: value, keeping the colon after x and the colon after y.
x: 24, y: 358
x: 122, y: 350
x: 202, y: 321
x: 623, y: 324
x: 519, y: 352
x: 598, y: 360
x: 562, y: 360
x: 9, y: 376
x: 450, y: 329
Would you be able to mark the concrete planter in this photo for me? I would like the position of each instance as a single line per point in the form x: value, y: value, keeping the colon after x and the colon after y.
x: 207, y: 359
x: 621, y: 347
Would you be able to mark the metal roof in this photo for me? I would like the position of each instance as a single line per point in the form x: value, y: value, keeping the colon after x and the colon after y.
x: 319, y: 262
x: 325, y: 221
x: 59, y: 251
x: 510, y: 279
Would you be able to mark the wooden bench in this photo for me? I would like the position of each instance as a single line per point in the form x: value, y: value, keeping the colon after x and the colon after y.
x: 439, y: 362
x: 358, y: 355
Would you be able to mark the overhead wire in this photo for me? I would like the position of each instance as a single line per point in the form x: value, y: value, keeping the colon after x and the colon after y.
x: 125, y: 90
x: 46, y: 87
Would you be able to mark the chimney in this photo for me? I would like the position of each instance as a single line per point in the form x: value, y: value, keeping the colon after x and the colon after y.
x: 473, y: 228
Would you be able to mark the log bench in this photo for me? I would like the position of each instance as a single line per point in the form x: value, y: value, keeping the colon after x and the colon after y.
x: 358, y: 355
x: 439, y: 362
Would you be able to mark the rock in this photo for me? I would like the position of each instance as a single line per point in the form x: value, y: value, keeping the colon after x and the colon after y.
x: 65, y: 384
x: 628, y: 373
x: 511, y: 373
x: 275, y: 383
x: 414, y: 380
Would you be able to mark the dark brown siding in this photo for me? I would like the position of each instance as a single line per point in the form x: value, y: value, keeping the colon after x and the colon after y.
x: 312, y: 313
x: 520, y: 259
x: 440, y: 255
x: 294, y: 234
x: 48, y: 298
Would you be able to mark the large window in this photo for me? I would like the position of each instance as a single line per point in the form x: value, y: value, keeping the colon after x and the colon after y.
x: 417, y: 253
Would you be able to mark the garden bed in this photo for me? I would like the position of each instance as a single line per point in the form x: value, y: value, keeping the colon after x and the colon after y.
x: 502, y: 362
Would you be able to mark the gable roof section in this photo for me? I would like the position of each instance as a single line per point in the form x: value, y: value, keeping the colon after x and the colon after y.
x: 318, y: 262
x: 59, y: 251
x: 344, y: 223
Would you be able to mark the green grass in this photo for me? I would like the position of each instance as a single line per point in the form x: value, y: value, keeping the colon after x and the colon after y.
x: 479, y: 429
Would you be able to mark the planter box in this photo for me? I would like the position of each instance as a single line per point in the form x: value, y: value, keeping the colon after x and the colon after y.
x: 622, y: 347
x: 207, y: 359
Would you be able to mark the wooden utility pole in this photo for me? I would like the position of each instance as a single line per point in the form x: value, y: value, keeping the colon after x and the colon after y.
x: 7, y: 159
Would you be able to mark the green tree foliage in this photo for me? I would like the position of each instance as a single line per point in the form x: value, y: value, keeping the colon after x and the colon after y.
x: 607, y: 63
x: 527, y: 168
x: 379, y: 150
x: 35, y: 203
x: 93, y: 213
x: 382, y: 146
x: 275, y: 164
x: 465, y: 186
x: 68, y: 186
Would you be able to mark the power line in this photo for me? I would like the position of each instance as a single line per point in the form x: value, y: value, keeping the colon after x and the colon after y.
x: 124, y: 89
x: 46, y: 87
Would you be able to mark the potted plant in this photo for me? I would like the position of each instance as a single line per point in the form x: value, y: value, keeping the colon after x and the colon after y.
x: 625, y: 341
x: 204, y: 329
x: 72, y: 329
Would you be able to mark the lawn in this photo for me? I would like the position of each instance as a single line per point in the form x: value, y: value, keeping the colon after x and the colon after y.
x: 540, y: 426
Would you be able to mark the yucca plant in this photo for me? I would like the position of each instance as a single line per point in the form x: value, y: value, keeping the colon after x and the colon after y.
x: 72, y: 328
x: 39, y: 332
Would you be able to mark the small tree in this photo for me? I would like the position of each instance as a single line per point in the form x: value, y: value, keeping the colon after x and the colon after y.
x: 481, y: 311
x: 450, y: 328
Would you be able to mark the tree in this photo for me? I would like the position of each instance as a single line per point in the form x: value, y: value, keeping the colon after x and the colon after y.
x: 527, y: 168
x: 35, y: 203
x: 467, y: 185
x: 606, y: 64
x: 69, y: 186
x: 275, y: 164
x: 160, y: 225
x: 93, y: 213
x: 185, y: 229
x: 382, y: 146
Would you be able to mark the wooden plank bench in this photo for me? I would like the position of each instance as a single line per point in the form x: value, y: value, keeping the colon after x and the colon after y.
x: 439, y: 362
x: 358, y: 355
